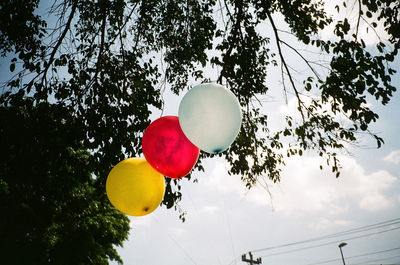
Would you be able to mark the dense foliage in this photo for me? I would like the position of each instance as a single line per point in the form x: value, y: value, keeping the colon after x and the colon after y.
x: 52, y: 209
x: 85, y: 74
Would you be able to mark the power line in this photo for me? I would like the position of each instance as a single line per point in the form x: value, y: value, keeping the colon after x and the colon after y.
x: 346, y: 232
x: 378, y: 264
x: 376, y: 260
x: 329, y: 243
x: 357, y: 256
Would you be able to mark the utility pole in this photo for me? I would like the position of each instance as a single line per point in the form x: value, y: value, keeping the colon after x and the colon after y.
x: 251, y: 261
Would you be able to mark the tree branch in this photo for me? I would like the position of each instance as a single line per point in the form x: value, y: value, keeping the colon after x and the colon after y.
x: 235, y: 31
x: 358, y: 18
x: 300, y: 102
x: 102, y: 40
x: 55, y: 49
x: 142, y: 10
x: 60, y: 40
x: 126, y: 21
x: 123, y: 56
x: 302, y: 57
x: 121, y: 27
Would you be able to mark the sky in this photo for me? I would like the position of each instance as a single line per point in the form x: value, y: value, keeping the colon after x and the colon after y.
x: 224, y: 220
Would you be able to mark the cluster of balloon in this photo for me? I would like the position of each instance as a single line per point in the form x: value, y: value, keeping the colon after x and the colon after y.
x: 209, y: 119
x: 210, y: 116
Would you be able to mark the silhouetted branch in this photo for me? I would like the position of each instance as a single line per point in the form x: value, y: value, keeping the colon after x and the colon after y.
x: 235, y: 32
x: 358, y: 18
x: 60, y: 40
x: 302, y: 57
x: 102, y: 40
x: 277, y: 39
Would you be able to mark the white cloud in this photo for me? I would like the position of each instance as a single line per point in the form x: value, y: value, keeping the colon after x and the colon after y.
x: 291, y: 109
x: 219, y: 179
x: 176, y: 231
x: 209, y: 209
x: 323, y: 223
x: 309, y: 189
x: 144, y: 221
x: 306, y: 188
x: 374, y: 202
x: 393, y: 157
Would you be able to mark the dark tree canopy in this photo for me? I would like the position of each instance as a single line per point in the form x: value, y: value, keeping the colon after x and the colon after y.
x: 53, y: 211
x: 85, y: 74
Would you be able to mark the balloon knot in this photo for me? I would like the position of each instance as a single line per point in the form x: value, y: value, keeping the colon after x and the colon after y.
x: 217, y: 150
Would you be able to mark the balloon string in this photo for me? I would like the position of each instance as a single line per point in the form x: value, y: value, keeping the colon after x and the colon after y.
x: 175, y: 241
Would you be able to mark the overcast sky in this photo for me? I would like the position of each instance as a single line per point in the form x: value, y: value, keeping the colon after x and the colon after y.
x: 224, y: 220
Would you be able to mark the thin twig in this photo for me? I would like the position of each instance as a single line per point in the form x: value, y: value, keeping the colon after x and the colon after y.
x: 102, y: 41
x: 300, y: 102
x: 92, y: 80
x: 302, y: 57
x: 284, y: 85
x: 235, y: 31
x: 358, y: 18
x: 55, y: 49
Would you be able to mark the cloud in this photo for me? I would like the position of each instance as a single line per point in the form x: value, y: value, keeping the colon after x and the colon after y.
x: 291, y: 109
x: 209, y: 209
x: 374, y: 202
x: 393, y: 157
x: 323, y: 223
x: 135, y: 222
x: 220, y: 180
x: 176, y: 231
x: 305, y: 188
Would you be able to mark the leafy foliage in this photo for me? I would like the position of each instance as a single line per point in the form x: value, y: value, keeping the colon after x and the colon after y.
x: 102, y: 65
x: 53, y: 211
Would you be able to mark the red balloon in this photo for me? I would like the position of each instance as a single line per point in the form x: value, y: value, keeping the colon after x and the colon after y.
x: 167, y: 149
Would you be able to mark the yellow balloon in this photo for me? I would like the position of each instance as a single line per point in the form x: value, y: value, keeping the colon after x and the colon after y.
x: 134, y: 187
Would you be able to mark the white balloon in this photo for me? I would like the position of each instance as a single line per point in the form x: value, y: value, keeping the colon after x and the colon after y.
x: 210, y: 117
